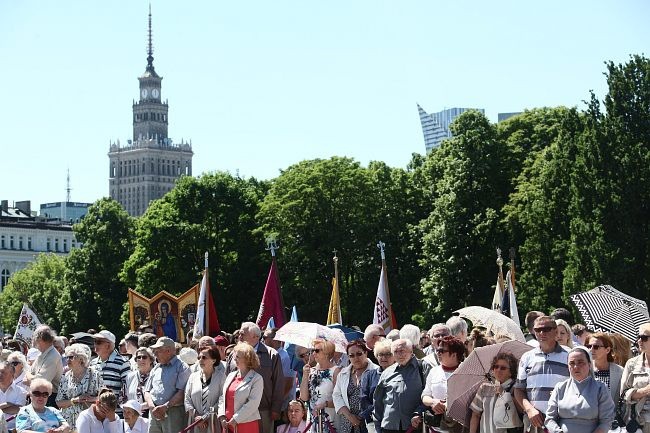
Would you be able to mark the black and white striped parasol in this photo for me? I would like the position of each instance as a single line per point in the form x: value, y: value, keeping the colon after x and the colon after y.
x: 607, y: 309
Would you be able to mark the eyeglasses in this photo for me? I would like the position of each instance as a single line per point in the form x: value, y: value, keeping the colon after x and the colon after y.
x: 304, y: 355
x: 317, y: 350
x: 593, y: 346
x: 69, y: 357
x: 500, y: 367
x: 40, y: 394
x: 203, y: 357
x: 384, y: 355
x: 355, y: 355
x: 15, y: 363
x: 441, y: 351
x: 643, y: 338
x: 544, y: 329
x: 139, y: 357
x: 438, y: 336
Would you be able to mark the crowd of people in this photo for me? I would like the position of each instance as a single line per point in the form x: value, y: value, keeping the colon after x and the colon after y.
x: 570, y: 380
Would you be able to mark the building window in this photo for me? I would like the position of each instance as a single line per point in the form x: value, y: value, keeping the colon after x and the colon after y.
x: 56, y: 244
x: 49, y: 245
x: 65, y: 245
x: 4, y: 278
x: 11, y: 242
x: 2, y: 242
x: 20, y: 242
x: 29, y: 243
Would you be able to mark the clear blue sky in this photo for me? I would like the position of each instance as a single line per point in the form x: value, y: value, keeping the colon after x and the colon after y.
x: 260, y: 85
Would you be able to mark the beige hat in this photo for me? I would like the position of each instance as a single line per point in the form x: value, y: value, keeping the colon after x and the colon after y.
x: 105, y: 335
x: 164, y: 342
x: 188, y: 356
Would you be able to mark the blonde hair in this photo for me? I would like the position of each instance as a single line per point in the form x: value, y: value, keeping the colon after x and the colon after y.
x: 382, y: 346
x: 248, y: 353
x: 565, y: 325
x: 326, y: 346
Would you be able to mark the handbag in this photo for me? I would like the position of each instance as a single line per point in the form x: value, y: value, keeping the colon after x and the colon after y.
x: 505, y: 413
x: 619, y: 425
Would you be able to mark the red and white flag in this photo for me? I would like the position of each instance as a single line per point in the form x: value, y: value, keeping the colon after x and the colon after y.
x: 272, y: 304
x: 207, y: 322
x: 27, y: 323
x: 383, y: 313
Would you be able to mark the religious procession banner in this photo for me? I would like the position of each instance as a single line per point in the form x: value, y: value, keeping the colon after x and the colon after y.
x: 166, y: 314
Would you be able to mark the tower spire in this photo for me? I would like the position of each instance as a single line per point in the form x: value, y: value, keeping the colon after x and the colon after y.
x: 150, y: 46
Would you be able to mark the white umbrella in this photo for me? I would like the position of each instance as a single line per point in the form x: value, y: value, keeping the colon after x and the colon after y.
x: 304, y: 333
x: 492, y: 321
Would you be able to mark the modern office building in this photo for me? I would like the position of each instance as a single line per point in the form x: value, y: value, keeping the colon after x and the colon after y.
x: 68, y: 211
x: 24, y: 236
x: 149, y: 165
x: 506, y: 116
x: 435, y: 126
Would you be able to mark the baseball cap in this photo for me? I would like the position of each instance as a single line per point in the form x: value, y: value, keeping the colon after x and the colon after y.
x: 105, y: 335
x: 164, y: 342
x: 220, y: 340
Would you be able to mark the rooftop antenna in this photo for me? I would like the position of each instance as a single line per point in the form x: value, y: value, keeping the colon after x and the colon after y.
x: 67, y: 188
x: 150, y: 46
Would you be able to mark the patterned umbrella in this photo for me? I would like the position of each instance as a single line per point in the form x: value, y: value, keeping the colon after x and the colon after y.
x: 303, y: 333
x: 606, y: 309
x: 492, y: 321
x: 471, y: 373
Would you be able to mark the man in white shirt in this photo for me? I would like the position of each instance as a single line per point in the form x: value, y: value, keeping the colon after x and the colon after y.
x: 12, y: 396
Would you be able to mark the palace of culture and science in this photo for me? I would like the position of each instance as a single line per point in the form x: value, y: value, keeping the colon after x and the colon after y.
x: 149, y: 165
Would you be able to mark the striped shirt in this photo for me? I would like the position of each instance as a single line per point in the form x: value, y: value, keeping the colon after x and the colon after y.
x: 539, y: 372
x: 114, y: 372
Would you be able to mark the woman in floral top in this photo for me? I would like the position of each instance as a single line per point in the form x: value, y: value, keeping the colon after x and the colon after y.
x: 318, y: 384
x: 80, y: 385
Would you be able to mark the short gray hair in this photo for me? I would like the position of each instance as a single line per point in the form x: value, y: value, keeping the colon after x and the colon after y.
x: 8, y: 365
x: 411, y: 333
x: 16, y: 356
x: 370, y: 329
x: 247, y: 327
x: 381, y: 346
x: 59, y: 343
x: 457, y: 325
x: 44, y: 333
x: 401, y: 342
x: 79, y: 350
x: 439, y: 326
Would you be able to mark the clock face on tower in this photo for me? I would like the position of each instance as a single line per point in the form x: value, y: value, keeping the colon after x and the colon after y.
x: 144, y: 93
x: 155, y: 93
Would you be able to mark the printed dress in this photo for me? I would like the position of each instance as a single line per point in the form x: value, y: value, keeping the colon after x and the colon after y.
x: 90, y: 384
x: 321, y: 387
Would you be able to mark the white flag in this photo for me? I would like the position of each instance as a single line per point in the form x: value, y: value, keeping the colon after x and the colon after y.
x: 199, y: 324
x: 497, y: 299
x: 512, y: 300
x: 27, y: 323
x: 382, y: 314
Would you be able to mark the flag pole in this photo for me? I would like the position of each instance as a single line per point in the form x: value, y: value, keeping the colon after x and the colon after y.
x: 512, y: 268
x: 206, y: 320
x: 500, y: 265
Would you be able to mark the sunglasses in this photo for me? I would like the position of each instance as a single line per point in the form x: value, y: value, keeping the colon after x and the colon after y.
x: 384, y: 355
x: 441, y: 351
x: 355, y: 355
x: 593, y: 346
x: 40, y: 394
x: 15, y: 363
x: 317, y: 350
x: 304, y: 355
x: 500, y: 367
x: 544, y: 328
x: 139, y: 357
x: 643, y: 338
x: 203, y: 357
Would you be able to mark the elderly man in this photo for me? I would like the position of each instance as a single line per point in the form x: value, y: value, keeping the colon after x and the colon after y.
x: 48, y: 364
x: 270, y: 370
x: 287, y: 372
x: 398, y: 391
x: 12, y: 396
x: 165, y: 389
x: 436, y: 333
x: 539, y: 370
x: 113, y: 367
x: 458, y: 327
x: 372, y: 335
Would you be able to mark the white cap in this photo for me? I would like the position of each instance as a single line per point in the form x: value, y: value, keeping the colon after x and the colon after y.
x: 188, y: 356
x: 106, y: 335
x: 133, y: 404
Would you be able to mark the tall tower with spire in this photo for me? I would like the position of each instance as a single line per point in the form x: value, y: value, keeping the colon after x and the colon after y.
x: 149, y: 164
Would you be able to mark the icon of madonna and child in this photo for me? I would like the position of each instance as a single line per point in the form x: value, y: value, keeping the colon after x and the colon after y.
x: 164, y: 323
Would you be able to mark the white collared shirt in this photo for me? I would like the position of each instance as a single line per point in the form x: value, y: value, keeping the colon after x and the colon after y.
x: 15, y: 394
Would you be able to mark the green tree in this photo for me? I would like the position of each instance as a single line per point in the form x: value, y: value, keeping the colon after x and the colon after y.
x: 94, y: 294
x: 40, y: 285
x: 213, y: 213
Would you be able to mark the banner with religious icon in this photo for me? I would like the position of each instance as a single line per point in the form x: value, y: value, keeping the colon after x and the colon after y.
x: 166, y: 314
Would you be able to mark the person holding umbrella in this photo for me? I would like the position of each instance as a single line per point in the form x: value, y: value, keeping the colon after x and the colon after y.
x: 451, y: 352
x: 636, y: 379
x: 504, y: 370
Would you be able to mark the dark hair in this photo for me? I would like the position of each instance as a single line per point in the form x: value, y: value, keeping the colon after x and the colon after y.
x: 453, y: 345
x: 578, y: 329
x: 131, y: 338
x: 531, y: 316
x: 562, y: 313
x: 510, y: 359
x: 479, y: 338
x: 214, y: 353
x: 360, y: 343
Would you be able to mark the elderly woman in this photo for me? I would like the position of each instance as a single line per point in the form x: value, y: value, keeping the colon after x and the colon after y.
x: 504, y: 371
x: 296, y: 414
x: 602, y: 357
x: 636, y: 380
x: 370, y: 379
x: 318, y: 382
x: 134, y: 422
x: 347, y: 390
x: 204, y: 387
x: 37, y: 417
x: 451, y: 352
x: 136, y: 379
x: 477, y: 338
x: 80, y: 385
x: 563, y: 333
x: 579, y: 404
x: 100, y: 416
x: 18, y: 360
x: 242, y: 392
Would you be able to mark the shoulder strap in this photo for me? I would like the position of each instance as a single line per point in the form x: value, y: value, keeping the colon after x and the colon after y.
x: 421, y: 370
